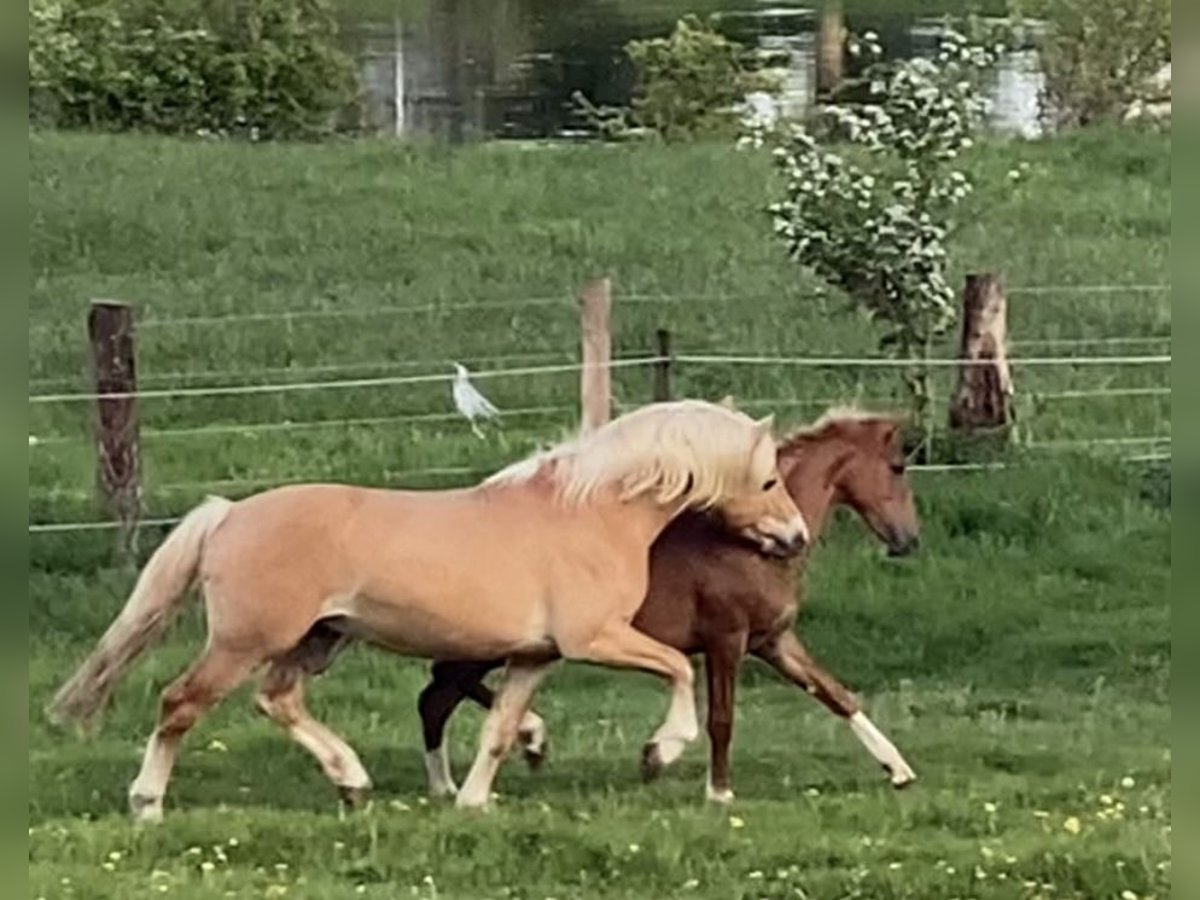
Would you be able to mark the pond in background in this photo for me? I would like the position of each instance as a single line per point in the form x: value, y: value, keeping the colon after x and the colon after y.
x: 475, y: 69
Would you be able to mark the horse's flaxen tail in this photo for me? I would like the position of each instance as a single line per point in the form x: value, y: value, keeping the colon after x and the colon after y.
x: 158, y: 594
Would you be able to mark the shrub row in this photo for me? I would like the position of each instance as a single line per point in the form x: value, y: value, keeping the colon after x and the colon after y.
x: 263, y: 68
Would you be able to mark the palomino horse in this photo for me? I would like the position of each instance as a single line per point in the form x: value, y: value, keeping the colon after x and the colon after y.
x: 710, y: 595
x: 547, y: 558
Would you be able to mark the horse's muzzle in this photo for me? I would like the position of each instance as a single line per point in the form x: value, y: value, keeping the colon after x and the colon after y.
x: 903, y: 543
x: 780, y: 546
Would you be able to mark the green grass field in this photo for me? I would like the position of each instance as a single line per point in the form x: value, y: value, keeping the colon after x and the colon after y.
x: 1021, y: 662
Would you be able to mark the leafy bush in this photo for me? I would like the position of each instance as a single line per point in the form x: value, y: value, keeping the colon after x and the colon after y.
x: 690, y: 84
x: 871, y: 217
x: 268, y: 68
x: 1099, y: 55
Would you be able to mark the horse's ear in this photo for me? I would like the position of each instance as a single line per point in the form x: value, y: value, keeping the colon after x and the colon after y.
x: 727, y: 402
x: 766, y: 424
x: 891, y: 430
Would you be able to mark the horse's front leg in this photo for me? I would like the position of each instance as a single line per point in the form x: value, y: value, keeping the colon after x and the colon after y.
x: 790, y: 658
x: 722, y: 660
x: 500, y: 728
x: 531, y: 734
x: 620, y: 645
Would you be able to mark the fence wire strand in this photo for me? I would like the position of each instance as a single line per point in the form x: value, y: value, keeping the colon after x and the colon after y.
x: 693, y: 358
x: 1155, y: 444
x: 234, y: 390
x: 155, y: 522
x: 564, y: 300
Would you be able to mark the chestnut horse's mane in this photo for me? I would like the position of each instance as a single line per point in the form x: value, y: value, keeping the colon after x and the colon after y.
x: 830, y: 419
x: 688, y: 450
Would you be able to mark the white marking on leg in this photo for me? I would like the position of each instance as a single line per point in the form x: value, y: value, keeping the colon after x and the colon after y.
x: 532, y: 733
x: 715, y: 794
x: 337, y: 758
x: 680, y: 727
x: 499, y: 731
x: 477, y: 789
x: 882, y: 749
x: 437, y: 770
x: 146, y: 791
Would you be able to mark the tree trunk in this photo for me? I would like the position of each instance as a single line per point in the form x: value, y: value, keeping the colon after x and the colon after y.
x: 831, y: 48
x: 984, y: 397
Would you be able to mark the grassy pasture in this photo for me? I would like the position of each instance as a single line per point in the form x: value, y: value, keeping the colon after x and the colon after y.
x: 1021, y: 663
x: 395, y: 239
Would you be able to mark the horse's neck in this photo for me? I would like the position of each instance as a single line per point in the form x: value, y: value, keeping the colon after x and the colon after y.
x: 640, y: 519
x: 808, y: 481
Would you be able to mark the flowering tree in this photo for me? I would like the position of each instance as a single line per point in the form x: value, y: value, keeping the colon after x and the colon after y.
x: 872, y: 219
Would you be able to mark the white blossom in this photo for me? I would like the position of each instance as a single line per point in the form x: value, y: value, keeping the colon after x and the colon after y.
x: 879, y: 237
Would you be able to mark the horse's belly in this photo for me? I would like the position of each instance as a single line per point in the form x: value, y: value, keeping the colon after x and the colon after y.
x: 438, y: 631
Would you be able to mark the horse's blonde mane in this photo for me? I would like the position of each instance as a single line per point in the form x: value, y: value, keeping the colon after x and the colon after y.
x: 688, y: 451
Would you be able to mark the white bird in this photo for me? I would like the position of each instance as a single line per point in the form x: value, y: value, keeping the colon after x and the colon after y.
x: 468, y: 401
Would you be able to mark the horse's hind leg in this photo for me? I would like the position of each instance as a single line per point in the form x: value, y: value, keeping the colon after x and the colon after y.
x: 449, y: 685
x: 217, y: 672
x: 281, y: 698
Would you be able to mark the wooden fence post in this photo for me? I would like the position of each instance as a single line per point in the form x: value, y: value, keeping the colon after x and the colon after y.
x: 983, y: 399
x: 111, y: 335
x: 662, y: 366
x: 595, y: 385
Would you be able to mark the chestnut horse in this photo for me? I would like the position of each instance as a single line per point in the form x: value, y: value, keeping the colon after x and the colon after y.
x: 548, y: 558
x: 710, y: 594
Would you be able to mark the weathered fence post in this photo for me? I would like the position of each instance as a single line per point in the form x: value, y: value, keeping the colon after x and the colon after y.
x: 662, y: 366
x: 595, y: 386
x: 983, y: 399
x: 111, y: 335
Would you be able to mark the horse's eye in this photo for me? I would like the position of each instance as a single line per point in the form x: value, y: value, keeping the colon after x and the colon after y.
x: 898, y: 468
x: 770, y: 483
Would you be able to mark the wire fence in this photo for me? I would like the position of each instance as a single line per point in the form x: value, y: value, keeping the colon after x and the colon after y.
x: 260, y: 427
x: 1130, y: 352
x: 564, y: 301
x: 330, y: 368
x: 234, y: 390
x: 229, y: 390
x: 227, y: 484
x: 192, y: 375
x: 935, y: 363
x: 249, y: 428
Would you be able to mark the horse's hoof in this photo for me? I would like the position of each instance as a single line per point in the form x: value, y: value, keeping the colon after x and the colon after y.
x: 723, y: 796
x: 900, y: 775
x: 535, y: 758
x: 900, y: 778
x: 146, y: 810
x: 473, y: 804
x: 652, y: 762
x: 355, y: 797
